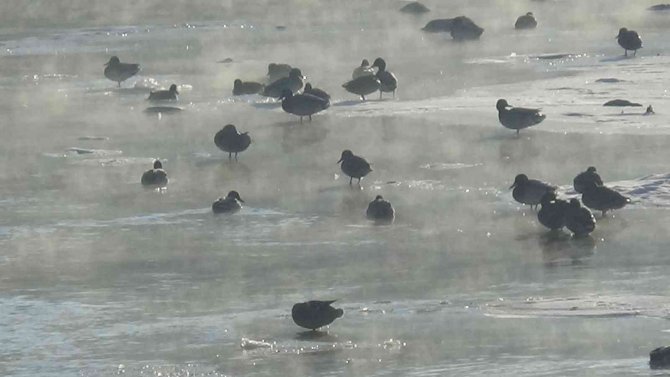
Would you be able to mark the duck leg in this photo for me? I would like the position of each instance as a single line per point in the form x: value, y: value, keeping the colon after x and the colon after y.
x: 235, y: 156
x: 119, y: 82
x: 380, y: 94
x: 363, y: 98
x: 310, y: 118
x: 230, y: 156
x: 350, y: 180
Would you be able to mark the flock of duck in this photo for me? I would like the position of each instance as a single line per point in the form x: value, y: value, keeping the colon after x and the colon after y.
x: 285, y: 83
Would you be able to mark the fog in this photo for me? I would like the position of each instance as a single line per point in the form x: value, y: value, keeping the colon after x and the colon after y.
x: 100, y: 276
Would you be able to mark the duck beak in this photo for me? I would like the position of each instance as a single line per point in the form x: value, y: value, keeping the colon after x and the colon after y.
x: 512, y: 186
x: 338, y: 161
x: 240, y: 199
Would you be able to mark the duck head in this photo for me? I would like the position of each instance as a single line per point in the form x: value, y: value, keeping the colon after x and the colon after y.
x: 378, y: 198
x: 113, y: 61
x: 295, y: 73
x: 158, y: 165
x: 345, y: 155
x: 234, y: 195
x: 308, y: 87
x: 529, y: 14
x: 502, y: 104
x: 173, y: 89
x: 286, y: 93
x: 229, y: 129
x: 591, y: 169
x: 379, y: 63
x: 520, y: 179
x: 365, y: 63
x: 622, y: 31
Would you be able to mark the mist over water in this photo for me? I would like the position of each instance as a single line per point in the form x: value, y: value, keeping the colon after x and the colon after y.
x: 101, y: 277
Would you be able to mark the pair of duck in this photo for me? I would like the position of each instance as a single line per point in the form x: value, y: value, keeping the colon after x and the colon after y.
x: 280, y: 76
x: 157, y: 178
x: 119, y: 72
x: 595, y: 194
x: 366, y: 81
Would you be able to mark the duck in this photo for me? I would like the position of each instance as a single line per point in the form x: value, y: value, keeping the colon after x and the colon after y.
x: 579, y: 220
x: 463, y: 28
x: 586, y: 178
x: 602, y: 198
x: 316, y: 92
x: 354, y: 166
x: 228, y: 139
x: 156, y: 177
x: 229, y: 204
x: 363, y: 86
x: 380, y: 210
x: 315, y: 314
x: 439, y: 25
x: 164, y: 95
x: 660, y: 358
x: 117, y: 71
x: 529, y: 191
x: 517, y: 118
x: 302, y: 104
x: 246, y: 87
x: 552, y: 213
x: 415, y: 7
x: 629, y: 40
x: 278, y: 70
x: 294, y: 82
x: 527, y: 21
x: 363, y: 70
x: 388, y: 81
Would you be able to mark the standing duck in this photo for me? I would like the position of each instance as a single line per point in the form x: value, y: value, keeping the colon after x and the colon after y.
x: 363, y: 70
x: 117, y: 71
x: 354, y: 166
x: 527, y: 21
x: 316, y: 92
x: 315, y: 314
x: 164, y: 95
x: 302, y: 104
x: 629, y: 40
x: 294, y: 82
x: 380, y: 210
x: 529, y: 191
x: 231, y: 141
x: 229, y: 204
x: 156, y: 177
x: 602, y: 198
x: 363, y: 85
x: 387, y: 79
x: 579, y: 220
x: 552, y: 213
x: 586, y: 178
x: 246, y: 87
x: 517, y: 118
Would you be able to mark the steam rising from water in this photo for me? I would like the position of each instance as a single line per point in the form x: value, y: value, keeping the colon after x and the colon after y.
x: 99, y: 276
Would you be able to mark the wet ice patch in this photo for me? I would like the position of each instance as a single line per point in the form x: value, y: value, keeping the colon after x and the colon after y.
x: 588, y: 306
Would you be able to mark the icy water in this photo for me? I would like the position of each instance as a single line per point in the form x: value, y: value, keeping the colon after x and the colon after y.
x: 100, y: 277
